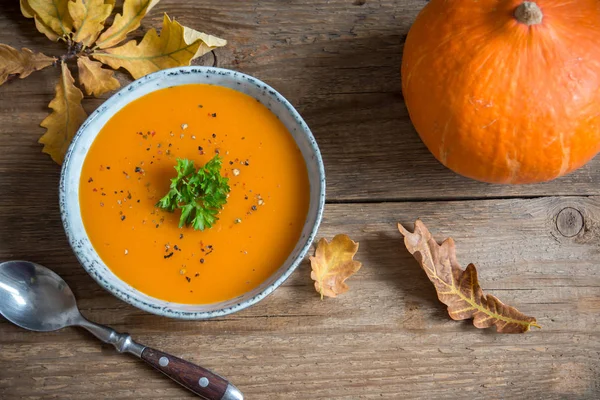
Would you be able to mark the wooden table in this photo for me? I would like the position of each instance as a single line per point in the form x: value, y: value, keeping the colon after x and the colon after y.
x: 338, y: 61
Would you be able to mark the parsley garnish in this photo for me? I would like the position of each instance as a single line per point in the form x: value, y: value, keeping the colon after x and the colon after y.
x: 200, y: 194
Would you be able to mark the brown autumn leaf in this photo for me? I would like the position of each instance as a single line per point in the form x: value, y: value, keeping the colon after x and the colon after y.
x: 96, y: 80
x: 88, y: 19
x: 153, y: 53
x: 66, y: 118
x: 53, y: 14
x: 459, y: 289
x: 131, y: 18
x: 22, y: 63
x: 332, y: 264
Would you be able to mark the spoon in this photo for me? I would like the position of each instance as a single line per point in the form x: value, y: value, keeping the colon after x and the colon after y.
x: 35, y: 298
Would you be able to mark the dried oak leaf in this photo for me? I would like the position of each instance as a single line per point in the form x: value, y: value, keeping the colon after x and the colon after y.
x: 88, y: 19
x: 153, y: 53
x: 96, y: 80
x: 207, y: 42
x: 67, y: 115
x: 43, y: 28
x: 26, y: 9
x: 133, y: 13
x: 22, y: 63
x: 51, y: 14
x: 332, y: 264
x: 459, y: 289
x: 28, y: 12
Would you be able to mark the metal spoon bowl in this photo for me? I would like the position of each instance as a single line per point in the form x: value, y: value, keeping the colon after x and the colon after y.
x: 35, y: 298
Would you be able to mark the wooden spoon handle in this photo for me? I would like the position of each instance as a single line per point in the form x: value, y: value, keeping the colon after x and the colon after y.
x: 201, y: 381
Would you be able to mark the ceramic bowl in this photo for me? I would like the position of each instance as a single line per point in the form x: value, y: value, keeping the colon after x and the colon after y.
x: 71, y: 171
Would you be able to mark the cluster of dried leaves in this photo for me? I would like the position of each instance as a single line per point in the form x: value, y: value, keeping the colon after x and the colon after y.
x: 459, y: 289
x: 80, y: 24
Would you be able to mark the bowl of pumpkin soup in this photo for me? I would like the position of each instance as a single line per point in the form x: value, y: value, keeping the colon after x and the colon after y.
x: 193, y: 192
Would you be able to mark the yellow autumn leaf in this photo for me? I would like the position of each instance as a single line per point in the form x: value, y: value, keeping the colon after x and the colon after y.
x: 26, y: 9
x: 96, y: 80
x: 22, y: 63
x: 28, y: 12
x: 53, y: 14
x: 153, y: 53
x: 133, y: 12
x: 207, y: 42
x: 88, y: 19
x: 332, y: 264
x: 67, y: 116
x: 42, y: 28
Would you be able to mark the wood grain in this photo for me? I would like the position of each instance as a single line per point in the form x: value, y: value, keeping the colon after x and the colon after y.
x: 388, y: 337
x: 338, y: 61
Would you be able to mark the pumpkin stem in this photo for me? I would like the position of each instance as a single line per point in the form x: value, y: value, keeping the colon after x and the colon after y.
x: 529, y: 13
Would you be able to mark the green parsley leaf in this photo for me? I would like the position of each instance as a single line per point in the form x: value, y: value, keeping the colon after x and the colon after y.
x: 199, y: 194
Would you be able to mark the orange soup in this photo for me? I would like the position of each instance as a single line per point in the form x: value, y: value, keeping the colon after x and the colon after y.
x: 128, y: 169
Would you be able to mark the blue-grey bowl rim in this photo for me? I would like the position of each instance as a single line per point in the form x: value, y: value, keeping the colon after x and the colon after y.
x: 246, y: 303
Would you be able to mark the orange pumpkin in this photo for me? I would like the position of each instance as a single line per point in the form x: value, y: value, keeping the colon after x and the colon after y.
x: 506, y: 91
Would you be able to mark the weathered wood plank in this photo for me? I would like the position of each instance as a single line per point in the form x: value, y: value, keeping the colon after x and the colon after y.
x: 388, y: 337
x: 338, y: 61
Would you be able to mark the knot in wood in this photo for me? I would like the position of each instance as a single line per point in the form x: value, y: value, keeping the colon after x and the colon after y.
x: 569, y: 222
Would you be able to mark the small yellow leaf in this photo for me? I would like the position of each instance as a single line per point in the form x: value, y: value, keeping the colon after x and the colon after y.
x: 332, y: 264
x: 67, y: 116
x: 95, y: 79
x: 23, y: 63
x: 111, y: 2
x: 54, y: 14
x: 26, y: 9
x: 207, y: 42
x: 88, y: 19
x: 133, y: 13
x: 153, y: 53
x: 42, y: 28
